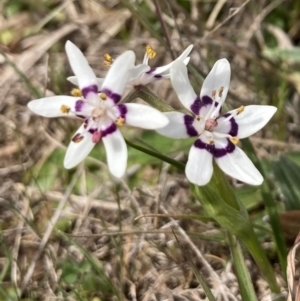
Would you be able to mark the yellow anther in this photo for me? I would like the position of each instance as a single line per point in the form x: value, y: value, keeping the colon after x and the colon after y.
x: 234, y: 140
x: 211, y: 141
x: 65, y: 109
x: 76, y: 92
x: 220, y: 91
x: 107, y: 60
x: 197, y: 118
x: 120, y: 121
x: 240, y: 110
x: 103, y: 96
x: 150, y: 52
x: 77, y: 138
x: 213, y: 93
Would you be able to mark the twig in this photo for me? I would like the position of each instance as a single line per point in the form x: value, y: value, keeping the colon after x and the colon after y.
x: 227, y: 19
x: 164, y: 28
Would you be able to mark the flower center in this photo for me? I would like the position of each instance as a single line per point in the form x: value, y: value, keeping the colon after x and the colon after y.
x: 210, y: 124
x: 97, y: 113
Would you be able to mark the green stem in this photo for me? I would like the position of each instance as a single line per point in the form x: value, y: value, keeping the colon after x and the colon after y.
x: 271, y: 207
x: 169, y: 160
x: 245, y: 283
x: 148, y: 96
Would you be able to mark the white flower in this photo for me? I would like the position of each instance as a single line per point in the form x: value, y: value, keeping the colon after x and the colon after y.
x: 217, y: 135
x: 143, y: 74
x: 100, y: 111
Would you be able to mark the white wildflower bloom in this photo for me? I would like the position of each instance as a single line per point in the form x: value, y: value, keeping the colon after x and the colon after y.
x: 143, y: 74
x: 217, y: 134
x: 100, y: 110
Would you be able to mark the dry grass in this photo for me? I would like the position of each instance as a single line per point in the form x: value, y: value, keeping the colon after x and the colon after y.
x: 135, y: 259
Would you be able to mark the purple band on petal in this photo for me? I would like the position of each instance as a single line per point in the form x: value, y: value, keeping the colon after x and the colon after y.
x: 151, y: 70
x: 158, y: 76
x: 90, y: 89
x: 112, y: 128
x: 206, y: 100
x: 123, y: 110
x: 199, y: 103
x: 188, y: 121
x: 234, y: 126
x: 216, y: 152
x: 196, y: 106
x: 79, y: 105
x: 115, y: 97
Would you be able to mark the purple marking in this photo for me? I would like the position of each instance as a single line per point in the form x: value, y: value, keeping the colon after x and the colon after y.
x: 216, y: 152
x: 199, y: 104
x: 188, y: 121
x: 196, y: 106
x: 202, y: 145
x: 80, y: 116
x: 158, y: 76
x: 151, y: 70
x: 234, y: 126
x: 92, y: 130
x: 79, y: 105
x: 112, y: 128
x: 123, y: 110
x: 115, y: 97
x: 90, y: 89
x: 206, y: 100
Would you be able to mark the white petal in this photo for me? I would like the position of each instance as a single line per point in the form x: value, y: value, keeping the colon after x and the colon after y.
x: 240, y: 167
x: 164, y: 70
x: 143, y: 116
x: 56, y: 106
x: 118, y: 76
x: 178, y: 127
x: 138, y: 71
x: 199, y: 167
x: 116, y: 153
x: 74, y: 81
x: 217, y: 80
x: 253, y: 118
x: 78, y: 151
x: 185, y: 53
x: 181, y: 84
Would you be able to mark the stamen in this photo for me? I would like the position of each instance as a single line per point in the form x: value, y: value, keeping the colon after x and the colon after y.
x: 240, y: 110
x: 213, y: 94
x: 76, y: 92
x: 220, y: 91
x: 65, y: 109
x: 77, y: 138
x: 197, y: 118
x: 103, y: 96
x: 97, y: 113
x: 234, y: 140
x: 211, y: 141
x: 108, y: 60
x: 150, y: 52
x: 120, y: 121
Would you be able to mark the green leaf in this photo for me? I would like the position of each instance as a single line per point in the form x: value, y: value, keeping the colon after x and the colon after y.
x: 287, y: 175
